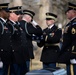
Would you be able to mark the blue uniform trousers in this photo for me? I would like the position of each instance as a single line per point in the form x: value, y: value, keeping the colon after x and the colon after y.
x: 4, y: 69
x: 23, y: 69
x: 71, y: 69
x: 1, y: 71
x: 49, y: 65
x: 14, y: 69
x: 28, y: 65
x: 18, y: 69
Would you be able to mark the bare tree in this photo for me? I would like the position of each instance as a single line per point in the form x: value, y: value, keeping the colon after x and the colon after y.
x: 43, y: 8
x: 17, y: 2
x: 4, y: 1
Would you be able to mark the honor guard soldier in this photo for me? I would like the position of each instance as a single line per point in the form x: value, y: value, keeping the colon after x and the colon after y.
x: 29, y: 29
x: 17, y: 51
x: 50, y: 42
x: 5, y: 39
x: 68, y: 50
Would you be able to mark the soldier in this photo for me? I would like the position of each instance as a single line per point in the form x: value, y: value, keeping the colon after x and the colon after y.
x: 5, y: 38
x: 50, y: 42
x: 29, y: 29
x: 17, y: 50
x: 69, y: 41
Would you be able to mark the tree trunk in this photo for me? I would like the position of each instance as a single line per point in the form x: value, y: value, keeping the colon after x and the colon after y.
x: 17, y: 2
x: 4, y: 1
x: 44, y: 7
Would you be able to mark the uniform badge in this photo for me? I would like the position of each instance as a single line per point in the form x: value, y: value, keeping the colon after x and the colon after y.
x: 73, y: 31
x: 51, y: 34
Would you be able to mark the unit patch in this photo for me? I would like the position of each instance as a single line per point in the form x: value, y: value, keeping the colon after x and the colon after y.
x: 73, y: 31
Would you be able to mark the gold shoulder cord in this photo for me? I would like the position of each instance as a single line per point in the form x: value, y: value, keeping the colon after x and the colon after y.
x: 26, y: 29
x: 9, y: 70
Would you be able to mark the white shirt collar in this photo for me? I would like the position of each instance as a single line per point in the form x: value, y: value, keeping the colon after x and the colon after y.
x: 3, y: 19
x: 51, y: 26
x: 13, y: 21
x: 73, y: 18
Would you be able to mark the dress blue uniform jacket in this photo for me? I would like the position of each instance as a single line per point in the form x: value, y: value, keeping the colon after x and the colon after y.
x: 5, y: 42
x: 68, y: 49
x: 50, y: 49
x: 28, y: 29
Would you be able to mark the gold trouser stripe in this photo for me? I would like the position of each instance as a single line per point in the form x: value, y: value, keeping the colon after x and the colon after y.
x: 46, y: 38
x: 57, y: 64
x: 9, y: 70
x: 72, y: 69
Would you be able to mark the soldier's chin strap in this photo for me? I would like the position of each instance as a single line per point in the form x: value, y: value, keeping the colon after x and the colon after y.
x: 26, y: 29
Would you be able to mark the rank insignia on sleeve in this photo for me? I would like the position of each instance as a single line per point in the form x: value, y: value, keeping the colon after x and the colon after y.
x: 73, y: 31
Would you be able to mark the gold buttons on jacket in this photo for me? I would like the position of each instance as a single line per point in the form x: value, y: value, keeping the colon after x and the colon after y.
x: 13, y: 50
x: 1, y: 49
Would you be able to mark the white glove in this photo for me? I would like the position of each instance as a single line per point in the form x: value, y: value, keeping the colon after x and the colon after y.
x: 73, y: 61
x: 34, y: 23
x: 1, y: 64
